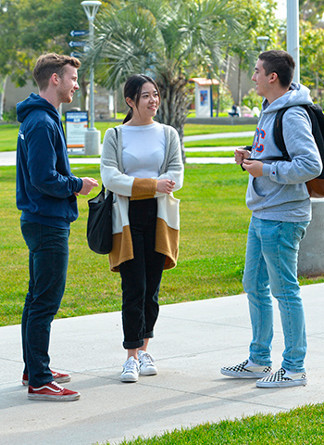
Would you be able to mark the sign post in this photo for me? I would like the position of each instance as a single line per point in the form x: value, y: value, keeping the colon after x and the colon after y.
x: 92, y: 137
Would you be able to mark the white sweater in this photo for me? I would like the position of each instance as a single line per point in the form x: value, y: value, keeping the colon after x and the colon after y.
x: 143, y: 150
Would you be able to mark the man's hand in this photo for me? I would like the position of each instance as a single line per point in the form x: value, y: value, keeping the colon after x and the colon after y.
x: 241, y: 154
x: 87, y: 186
x: 255, y: 168
x: 165, y: 186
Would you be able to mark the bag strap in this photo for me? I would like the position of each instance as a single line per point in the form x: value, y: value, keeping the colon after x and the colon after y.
x: 278, y: 134
x: 315, y: 114
x: 103, y: 189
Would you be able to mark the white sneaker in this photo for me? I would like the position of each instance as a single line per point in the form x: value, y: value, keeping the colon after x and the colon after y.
x: 130, y: 371
x: 146, y: 362
x: 282, y: 379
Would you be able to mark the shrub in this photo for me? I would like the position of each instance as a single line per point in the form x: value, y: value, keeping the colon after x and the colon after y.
x: 251, y: 99
x: 10, y: 116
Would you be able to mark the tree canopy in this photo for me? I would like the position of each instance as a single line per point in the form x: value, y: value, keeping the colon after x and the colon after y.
x: 172, y: 40
x: 29, y: 28
x: 312, y: 57
x: 311, y: 10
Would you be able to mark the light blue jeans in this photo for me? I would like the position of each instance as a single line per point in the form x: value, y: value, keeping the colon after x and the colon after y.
x: 271, y: 264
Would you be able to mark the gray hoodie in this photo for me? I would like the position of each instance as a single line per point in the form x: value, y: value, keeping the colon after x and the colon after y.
x: 281, y: 194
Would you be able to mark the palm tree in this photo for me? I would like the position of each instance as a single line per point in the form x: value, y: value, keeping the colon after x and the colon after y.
x: 168, y: 39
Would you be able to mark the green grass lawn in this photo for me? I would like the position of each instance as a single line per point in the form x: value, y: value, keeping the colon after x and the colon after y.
x: 301, y: 426
x: 214, y: 222
x: 221, y: 142
x: 8, y: 137
x: 210, y: 154
x: 9, y: 132
x: 192, y: 129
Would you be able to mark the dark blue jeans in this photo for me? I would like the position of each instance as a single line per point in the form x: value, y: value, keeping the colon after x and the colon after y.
x: 141, y: 276
x: 48, y: 261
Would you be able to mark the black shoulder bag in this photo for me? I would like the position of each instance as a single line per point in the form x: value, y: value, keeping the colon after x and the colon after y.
x: 99, y: 226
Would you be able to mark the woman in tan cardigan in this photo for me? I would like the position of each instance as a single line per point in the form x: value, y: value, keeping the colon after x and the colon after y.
x: 141, y: 163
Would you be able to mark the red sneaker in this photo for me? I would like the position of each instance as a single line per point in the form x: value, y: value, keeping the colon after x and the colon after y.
x: 58, y: 377
x: 53, y: 392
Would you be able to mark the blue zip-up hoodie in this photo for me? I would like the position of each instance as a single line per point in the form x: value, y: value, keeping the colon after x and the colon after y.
x: 45, y: 184
x: 281, y: 193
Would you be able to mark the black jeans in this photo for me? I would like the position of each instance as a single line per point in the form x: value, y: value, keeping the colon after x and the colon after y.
x: 48, y: 262
x: 141, y: 276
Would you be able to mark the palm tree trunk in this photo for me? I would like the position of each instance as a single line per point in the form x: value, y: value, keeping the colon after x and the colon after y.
x: 239, y: 81
x: 84, y: 92
x: 3, y: 82
x: 174, y: 104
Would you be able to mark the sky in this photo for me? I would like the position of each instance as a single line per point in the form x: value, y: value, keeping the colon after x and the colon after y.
x: 282, y: 9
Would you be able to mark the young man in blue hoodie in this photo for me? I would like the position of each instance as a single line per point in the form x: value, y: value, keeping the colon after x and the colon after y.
x: 281, y: 211
x: 46, y: 194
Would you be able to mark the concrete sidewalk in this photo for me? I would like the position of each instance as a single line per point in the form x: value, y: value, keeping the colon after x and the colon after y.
x: 8, y: 158
x: 193, y: 340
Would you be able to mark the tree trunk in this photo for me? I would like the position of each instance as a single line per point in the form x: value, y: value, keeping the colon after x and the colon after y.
x: 84, y: 92
x: 239, y: 81
x: 3, y: 82
x: 227, y: 67
x: 174, y: 104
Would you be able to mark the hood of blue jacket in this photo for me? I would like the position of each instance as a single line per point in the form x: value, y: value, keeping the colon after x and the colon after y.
x: 34, y: 102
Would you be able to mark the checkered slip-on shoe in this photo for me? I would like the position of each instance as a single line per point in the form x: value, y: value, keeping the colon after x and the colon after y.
x: 242, y: 371
x: 280, y: 380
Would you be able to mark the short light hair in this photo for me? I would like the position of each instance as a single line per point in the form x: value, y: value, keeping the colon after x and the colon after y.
x: 47, y: 64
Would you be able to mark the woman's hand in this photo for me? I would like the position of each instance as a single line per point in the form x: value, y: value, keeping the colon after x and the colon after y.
x: 165, y: 186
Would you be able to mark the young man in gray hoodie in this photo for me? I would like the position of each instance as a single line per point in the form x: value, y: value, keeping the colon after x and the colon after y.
x: 281, y: 211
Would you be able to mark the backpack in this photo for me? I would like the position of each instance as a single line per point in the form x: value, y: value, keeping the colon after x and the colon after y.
x: 315, y: 186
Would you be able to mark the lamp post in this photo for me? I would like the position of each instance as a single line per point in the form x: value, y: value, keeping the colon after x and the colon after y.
x: 293, y: 34
x: 92, y: 136
x: 263, y: 40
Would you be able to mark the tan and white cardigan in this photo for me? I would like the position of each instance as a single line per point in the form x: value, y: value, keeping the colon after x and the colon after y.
x: 127, y: 187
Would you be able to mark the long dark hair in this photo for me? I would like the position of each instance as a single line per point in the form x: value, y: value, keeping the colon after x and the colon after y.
x: 133, y: 89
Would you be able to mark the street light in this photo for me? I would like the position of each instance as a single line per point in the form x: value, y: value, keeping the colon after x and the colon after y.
x: 92, y: 136
x: 293, y: 35
x: 263, y: 40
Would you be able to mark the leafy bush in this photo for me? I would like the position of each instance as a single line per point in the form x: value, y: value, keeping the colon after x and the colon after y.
x: 10, y: 116
x: 251, y: 99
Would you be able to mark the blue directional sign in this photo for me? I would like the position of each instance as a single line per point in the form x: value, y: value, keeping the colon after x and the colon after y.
x: 75, y: 44
x: 79, y: 33
x: 76, y: 54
